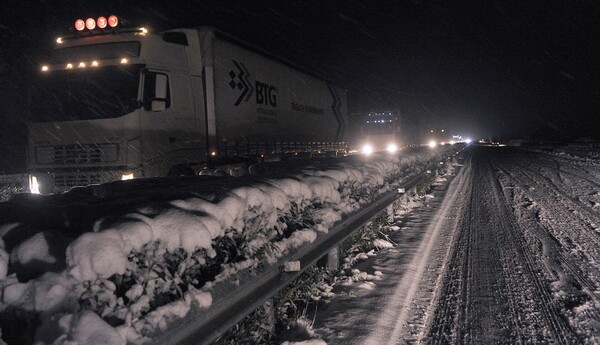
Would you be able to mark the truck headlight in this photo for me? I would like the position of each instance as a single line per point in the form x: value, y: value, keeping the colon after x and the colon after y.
x: 367, y: 149
x: 127, y: 176
x: 391, y: 148
x: 34, y: 185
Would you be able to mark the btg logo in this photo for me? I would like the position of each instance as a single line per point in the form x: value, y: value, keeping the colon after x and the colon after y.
x: 265, y: 94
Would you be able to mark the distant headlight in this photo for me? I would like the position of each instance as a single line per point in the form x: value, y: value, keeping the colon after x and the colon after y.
x: 367, y: 149
x: 391, y: 148
x: 432, y: 144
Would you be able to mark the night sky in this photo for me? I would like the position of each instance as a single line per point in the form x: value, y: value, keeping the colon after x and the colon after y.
x: 508, y: 69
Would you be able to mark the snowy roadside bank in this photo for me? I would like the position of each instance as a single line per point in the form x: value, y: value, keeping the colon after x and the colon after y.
x: 342, y: 308
x: 137, y: 272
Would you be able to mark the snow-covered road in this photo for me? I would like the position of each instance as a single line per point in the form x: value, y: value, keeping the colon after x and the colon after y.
x: 506, y: 252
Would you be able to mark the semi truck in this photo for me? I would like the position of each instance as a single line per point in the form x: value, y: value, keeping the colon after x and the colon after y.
x: 380, y: 131
x: 114, y: 103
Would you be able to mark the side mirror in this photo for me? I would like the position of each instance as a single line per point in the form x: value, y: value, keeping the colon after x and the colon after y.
x: 160, y: 90
x: 156, y: 92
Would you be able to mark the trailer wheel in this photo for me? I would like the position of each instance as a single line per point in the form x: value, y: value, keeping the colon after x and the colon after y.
x: 181, y: 170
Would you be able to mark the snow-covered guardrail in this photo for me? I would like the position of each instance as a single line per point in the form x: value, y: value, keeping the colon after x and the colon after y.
x: 12, y: 184
x: 253, y: 290
x: 131, y: 262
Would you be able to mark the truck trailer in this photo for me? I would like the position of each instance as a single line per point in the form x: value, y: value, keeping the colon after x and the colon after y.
x: 114, y: 103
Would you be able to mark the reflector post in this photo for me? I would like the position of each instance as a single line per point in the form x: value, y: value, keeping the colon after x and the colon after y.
x: 79, y: 25
x: 113, y: 21
x: 90, y: 23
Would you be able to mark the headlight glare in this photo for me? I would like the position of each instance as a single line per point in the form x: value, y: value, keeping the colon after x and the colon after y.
x: 391, y: 148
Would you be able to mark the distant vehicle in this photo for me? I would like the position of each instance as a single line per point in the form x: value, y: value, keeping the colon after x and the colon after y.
x: 380, y: 131
x: 115, y: 103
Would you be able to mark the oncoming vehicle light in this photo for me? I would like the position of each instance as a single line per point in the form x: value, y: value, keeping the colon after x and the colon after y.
x: 81, y: 65
x: 69, y: 66
x: 143, y: 31
x: 391, y: 148
x: 94, y: 63
x: 124, y: 61
x: 367, y: 149
x: 432, y: 144
x: 45, y: 68
x: 127, y: 176
x: 59, y: 40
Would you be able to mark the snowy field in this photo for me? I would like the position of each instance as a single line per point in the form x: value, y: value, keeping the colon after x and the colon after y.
x: 118, y: 263
x: 506, y: 251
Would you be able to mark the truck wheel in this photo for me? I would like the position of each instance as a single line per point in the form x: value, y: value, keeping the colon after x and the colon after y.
x: 257, y: 169
x: 181, y: 170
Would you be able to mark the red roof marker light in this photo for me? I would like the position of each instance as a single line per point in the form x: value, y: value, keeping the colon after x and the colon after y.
x: 90, y: 23
x: 113, y: 21
x: 101, y: 22
x: 79, y: 25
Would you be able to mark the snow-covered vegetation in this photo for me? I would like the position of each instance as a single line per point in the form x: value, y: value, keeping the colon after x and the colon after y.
x: 131, y: 275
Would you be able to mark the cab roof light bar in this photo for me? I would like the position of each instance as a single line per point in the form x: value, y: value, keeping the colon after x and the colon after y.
x: 100, y: 26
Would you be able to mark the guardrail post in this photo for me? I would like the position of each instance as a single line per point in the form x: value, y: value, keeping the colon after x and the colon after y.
x: 390, y: 213
x: 269, y: 308
x: 333, y: 259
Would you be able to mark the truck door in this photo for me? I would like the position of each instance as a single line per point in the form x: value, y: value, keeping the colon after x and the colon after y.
x: 167, y: 122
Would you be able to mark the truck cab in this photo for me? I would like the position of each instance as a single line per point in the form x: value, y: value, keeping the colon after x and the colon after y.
x: 380, y: 132
x: 113, y: 104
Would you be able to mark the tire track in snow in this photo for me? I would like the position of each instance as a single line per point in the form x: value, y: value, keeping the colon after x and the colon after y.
x: 574, y: 277
x: 471, y: 284
x: 573, y: 225
x: 392, y: 324
x: 492, y: 292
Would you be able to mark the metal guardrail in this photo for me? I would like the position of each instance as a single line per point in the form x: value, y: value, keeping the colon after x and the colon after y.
x: 16, y: 179
x: 253, y: 290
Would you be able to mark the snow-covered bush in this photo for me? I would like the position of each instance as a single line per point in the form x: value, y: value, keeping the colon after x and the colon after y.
x: 297, y: 304
x: 141, y: 271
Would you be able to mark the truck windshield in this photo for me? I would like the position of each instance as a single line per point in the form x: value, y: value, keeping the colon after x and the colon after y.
x: 379, y: 127
x: 102, y: 51
x: 85, y: 94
